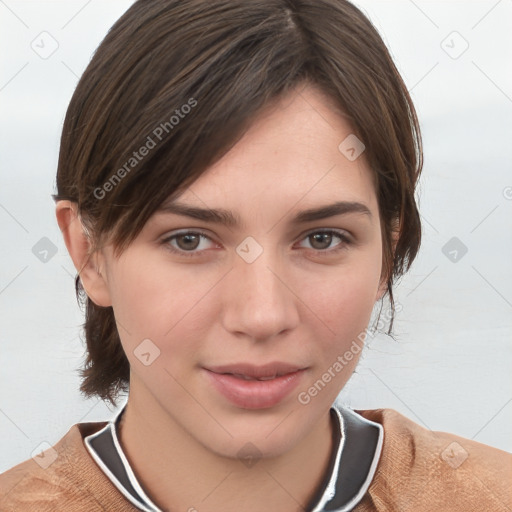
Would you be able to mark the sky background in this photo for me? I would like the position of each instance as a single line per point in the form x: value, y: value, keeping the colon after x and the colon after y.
x: 450, y: 366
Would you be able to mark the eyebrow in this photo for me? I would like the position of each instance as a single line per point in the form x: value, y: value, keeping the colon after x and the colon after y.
x: 229, y: 219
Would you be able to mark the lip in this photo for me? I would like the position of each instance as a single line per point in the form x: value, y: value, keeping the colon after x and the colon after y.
x: 255, y: 371
x: 238, y: 383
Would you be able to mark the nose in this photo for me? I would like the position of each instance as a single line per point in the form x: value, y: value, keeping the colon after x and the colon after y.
x: 259, y: 300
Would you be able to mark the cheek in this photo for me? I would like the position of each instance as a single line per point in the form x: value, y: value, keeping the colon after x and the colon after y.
x: 343, y: 304
x: 346, y: 296
x: 343, y: 309
x: 160, y: 301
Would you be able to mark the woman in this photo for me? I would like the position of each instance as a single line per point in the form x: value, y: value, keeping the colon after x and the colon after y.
x: 236, y: 190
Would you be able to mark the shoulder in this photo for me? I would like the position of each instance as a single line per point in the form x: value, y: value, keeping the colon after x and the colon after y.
x: 420, y: 469
x: 63, y: 477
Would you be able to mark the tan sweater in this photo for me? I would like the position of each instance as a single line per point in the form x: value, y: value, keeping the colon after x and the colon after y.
x: 419, y: 470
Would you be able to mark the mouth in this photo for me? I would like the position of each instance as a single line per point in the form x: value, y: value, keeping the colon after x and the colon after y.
x: 255, y: 387
x: 247, y: 377
x: 250, y: 371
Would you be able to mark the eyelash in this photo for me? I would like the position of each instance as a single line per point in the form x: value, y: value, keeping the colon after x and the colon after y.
x: 327, y: 252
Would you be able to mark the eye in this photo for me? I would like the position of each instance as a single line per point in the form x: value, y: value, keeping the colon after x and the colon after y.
x: 321, y: 240
x: 187, y: 243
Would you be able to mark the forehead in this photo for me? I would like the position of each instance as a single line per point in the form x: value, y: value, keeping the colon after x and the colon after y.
x: 292, y: 157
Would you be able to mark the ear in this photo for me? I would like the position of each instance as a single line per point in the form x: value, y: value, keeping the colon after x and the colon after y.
x: 79, y: 246
x: 383, y: 284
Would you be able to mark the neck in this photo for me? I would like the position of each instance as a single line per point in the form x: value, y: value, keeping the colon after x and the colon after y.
x: 179, y: 473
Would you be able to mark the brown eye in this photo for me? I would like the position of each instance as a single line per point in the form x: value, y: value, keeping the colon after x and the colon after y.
x: 188, y: 243
x: 321, y: 241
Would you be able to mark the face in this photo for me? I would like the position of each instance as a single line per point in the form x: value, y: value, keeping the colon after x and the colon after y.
x: 253, y: 327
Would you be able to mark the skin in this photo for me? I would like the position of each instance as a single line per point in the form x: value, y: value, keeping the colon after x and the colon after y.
x: 295, y: 303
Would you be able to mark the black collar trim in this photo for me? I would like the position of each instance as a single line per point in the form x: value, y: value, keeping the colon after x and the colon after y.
x: 358, y: 446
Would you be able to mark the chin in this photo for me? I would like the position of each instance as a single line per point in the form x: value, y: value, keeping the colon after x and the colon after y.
x: 253, y: 447
x: 267, y: 435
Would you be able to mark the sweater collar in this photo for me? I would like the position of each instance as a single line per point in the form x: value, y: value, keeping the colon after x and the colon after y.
x: 357, y: 449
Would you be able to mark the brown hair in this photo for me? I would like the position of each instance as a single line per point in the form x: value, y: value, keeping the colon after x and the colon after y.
x: 184, y: 79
